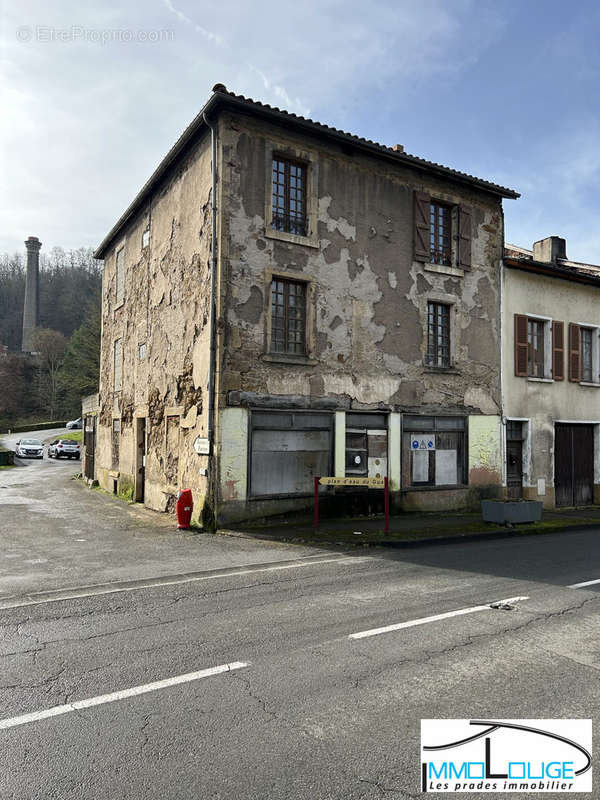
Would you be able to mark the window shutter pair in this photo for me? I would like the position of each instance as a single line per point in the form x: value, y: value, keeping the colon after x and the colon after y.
x: 558, y: 348
x: 422, y: 231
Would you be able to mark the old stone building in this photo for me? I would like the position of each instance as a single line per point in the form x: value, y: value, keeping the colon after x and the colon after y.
x: 551, y: 310
x: 355, y: 327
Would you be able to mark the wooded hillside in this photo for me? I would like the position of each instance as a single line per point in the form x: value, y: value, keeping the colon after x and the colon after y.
x: 50, y: 385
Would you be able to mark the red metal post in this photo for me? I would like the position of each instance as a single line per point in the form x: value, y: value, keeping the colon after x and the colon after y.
x: 386, y: 504
x: 316, y: 517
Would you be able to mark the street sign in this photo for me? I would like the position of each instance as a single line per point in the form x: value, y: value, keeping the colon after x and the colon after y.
x: 374, y: 483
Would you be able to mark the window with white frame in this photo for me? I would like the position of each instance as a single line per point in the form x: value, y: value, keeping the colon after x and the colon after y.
x: 539, y: 347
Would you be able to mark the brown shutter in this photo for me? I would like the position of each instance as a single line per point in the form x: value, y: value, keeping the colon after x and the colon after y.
x: 422, y: 223
x: 574, y: 352
x: 521, y: 346
x: 558, y: 350
x: 464, y: 237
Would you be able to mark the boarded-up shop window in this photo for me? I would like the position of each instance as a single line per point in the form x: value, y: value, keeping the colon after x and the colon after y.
x: 287, y: 450
x: 366, y: 445
x: 116, y: 438
x: 434, y: 451
x: 172, y: 461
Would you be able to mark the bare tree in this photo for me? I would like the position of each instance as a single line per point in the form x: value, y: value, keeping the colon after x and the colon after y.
x: 50, y: 349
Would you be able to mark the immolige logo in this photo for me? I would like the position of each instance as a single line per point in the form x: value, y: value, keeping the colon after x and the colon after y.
x: 506, y: 755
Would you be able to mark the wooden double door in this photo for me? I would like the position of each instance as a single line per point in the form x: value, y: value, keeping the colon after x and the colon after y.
x: 573, y: 464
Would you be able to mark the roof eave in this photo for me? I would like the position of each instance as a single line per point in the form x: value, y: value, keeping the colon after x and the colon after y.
x: 293, y: 121
x: 551, y: 271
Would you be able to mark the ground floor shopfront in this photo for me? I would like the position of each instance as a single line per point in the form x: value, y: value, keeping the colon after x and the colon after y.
x: 556, y: 461
x: 267, y: 458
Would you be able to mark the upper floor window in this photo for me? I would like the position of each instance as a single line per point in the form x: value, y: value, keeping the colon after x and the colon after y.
x: 289, y: 196
x: 535, y: 348
x: 539, y: 348
x: 288, y: 317
x: 120, y: 276
x: 117, y: 365
x: 440, y: 233
x: 438, y: 335
x: 587, y: 370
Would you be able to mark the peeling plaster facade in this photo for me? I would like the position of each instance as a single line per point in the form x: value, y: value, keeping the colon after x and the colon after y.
x: 366, y: 327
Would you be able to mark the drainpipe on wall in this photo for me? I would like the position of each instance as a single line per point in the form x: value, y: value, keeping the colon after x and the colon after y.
x: 501, y: 347
x: 213, y: 283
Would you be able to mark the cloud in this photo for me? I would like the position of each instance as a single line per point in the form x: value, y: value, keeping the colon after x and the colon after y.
x: 85, y: 124
x: 212, y: 37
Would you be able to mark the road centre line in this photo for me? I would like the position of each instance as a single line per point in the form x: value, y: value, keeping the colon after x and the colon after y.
x: 134, y: 691
x: 583, y: 584
x: 129, y: 586
x: 425, y: 620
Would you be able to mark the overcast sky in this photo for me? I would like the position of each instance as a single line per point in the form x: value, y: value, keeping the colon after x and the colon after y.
x: 95, y: 93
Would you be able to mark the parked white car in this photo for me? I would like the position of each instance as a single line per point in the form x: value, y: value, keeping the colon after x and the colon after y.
x: 75, y: 424
x: 64, y: 448
x: 29, y: 448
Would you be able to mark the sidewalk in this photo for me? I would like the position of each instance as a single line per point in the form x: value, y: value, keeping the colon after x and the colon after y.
x: 411, y: 529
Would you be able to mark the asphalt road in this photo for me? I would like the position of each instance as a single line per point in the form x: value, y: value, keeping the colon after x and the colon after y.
x: 302, y: 708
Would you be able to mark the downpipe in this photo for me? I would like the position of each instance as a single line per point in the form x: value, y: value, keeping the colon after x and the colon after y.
x: 212, y: 347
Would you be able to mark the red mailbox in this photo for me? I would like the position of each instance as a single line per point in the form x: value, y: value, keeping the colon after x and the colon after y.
x: 185, y: 506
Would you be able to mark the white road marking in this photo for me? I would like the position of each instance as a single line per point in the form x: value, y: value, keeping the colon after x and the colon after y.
x: 582, y: 585
x: 100, y: 700
x: 57, y: 595
x: 424, y: 620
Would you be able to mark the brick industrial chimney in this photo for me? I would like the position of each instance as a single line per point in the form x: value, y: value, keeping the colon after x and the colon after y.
x: 31, y: 307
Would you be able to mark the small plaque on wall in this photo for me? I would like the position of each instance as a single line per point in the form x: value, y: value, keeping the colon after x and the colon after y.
x: 202, y: 446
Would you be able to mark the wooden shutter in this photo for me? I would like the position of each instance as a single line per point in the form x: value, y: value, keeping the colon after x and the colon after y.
x: 574, y: 352
x: 422, y: 223
x: 558, y: 350
x: 521, y: 346
x: 464, y: 237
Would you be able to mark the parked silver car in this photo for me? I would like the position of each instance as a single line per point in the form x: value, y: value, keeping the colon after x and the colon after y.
x: 64, y: 448
x: 29, y: 448
x: 75, y: 424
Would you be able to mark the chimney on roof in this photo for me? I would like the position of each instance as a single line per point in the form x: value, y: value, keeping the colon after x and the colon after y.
x: 31, y: 306
x: 550, y: 249
x: 399, y: 148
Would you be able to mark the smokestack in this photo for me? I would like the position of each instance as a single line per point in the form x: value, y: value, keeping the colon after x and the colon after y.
x: 31, y: 307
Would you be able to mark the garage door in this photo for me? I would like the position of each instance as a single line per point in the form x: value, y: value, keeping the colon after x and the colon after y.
x: 574, y: 465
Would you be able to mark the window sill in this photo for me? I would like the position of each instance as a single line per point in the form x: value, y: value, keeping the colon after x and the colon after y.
x: 292, y: 238
x: 285, y: 495
x: 540, y: 380
x: 590, y: 383
x: 282, y: 358
x: 444, y: 370
x: 441, y: 269
x: 433, y: 488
